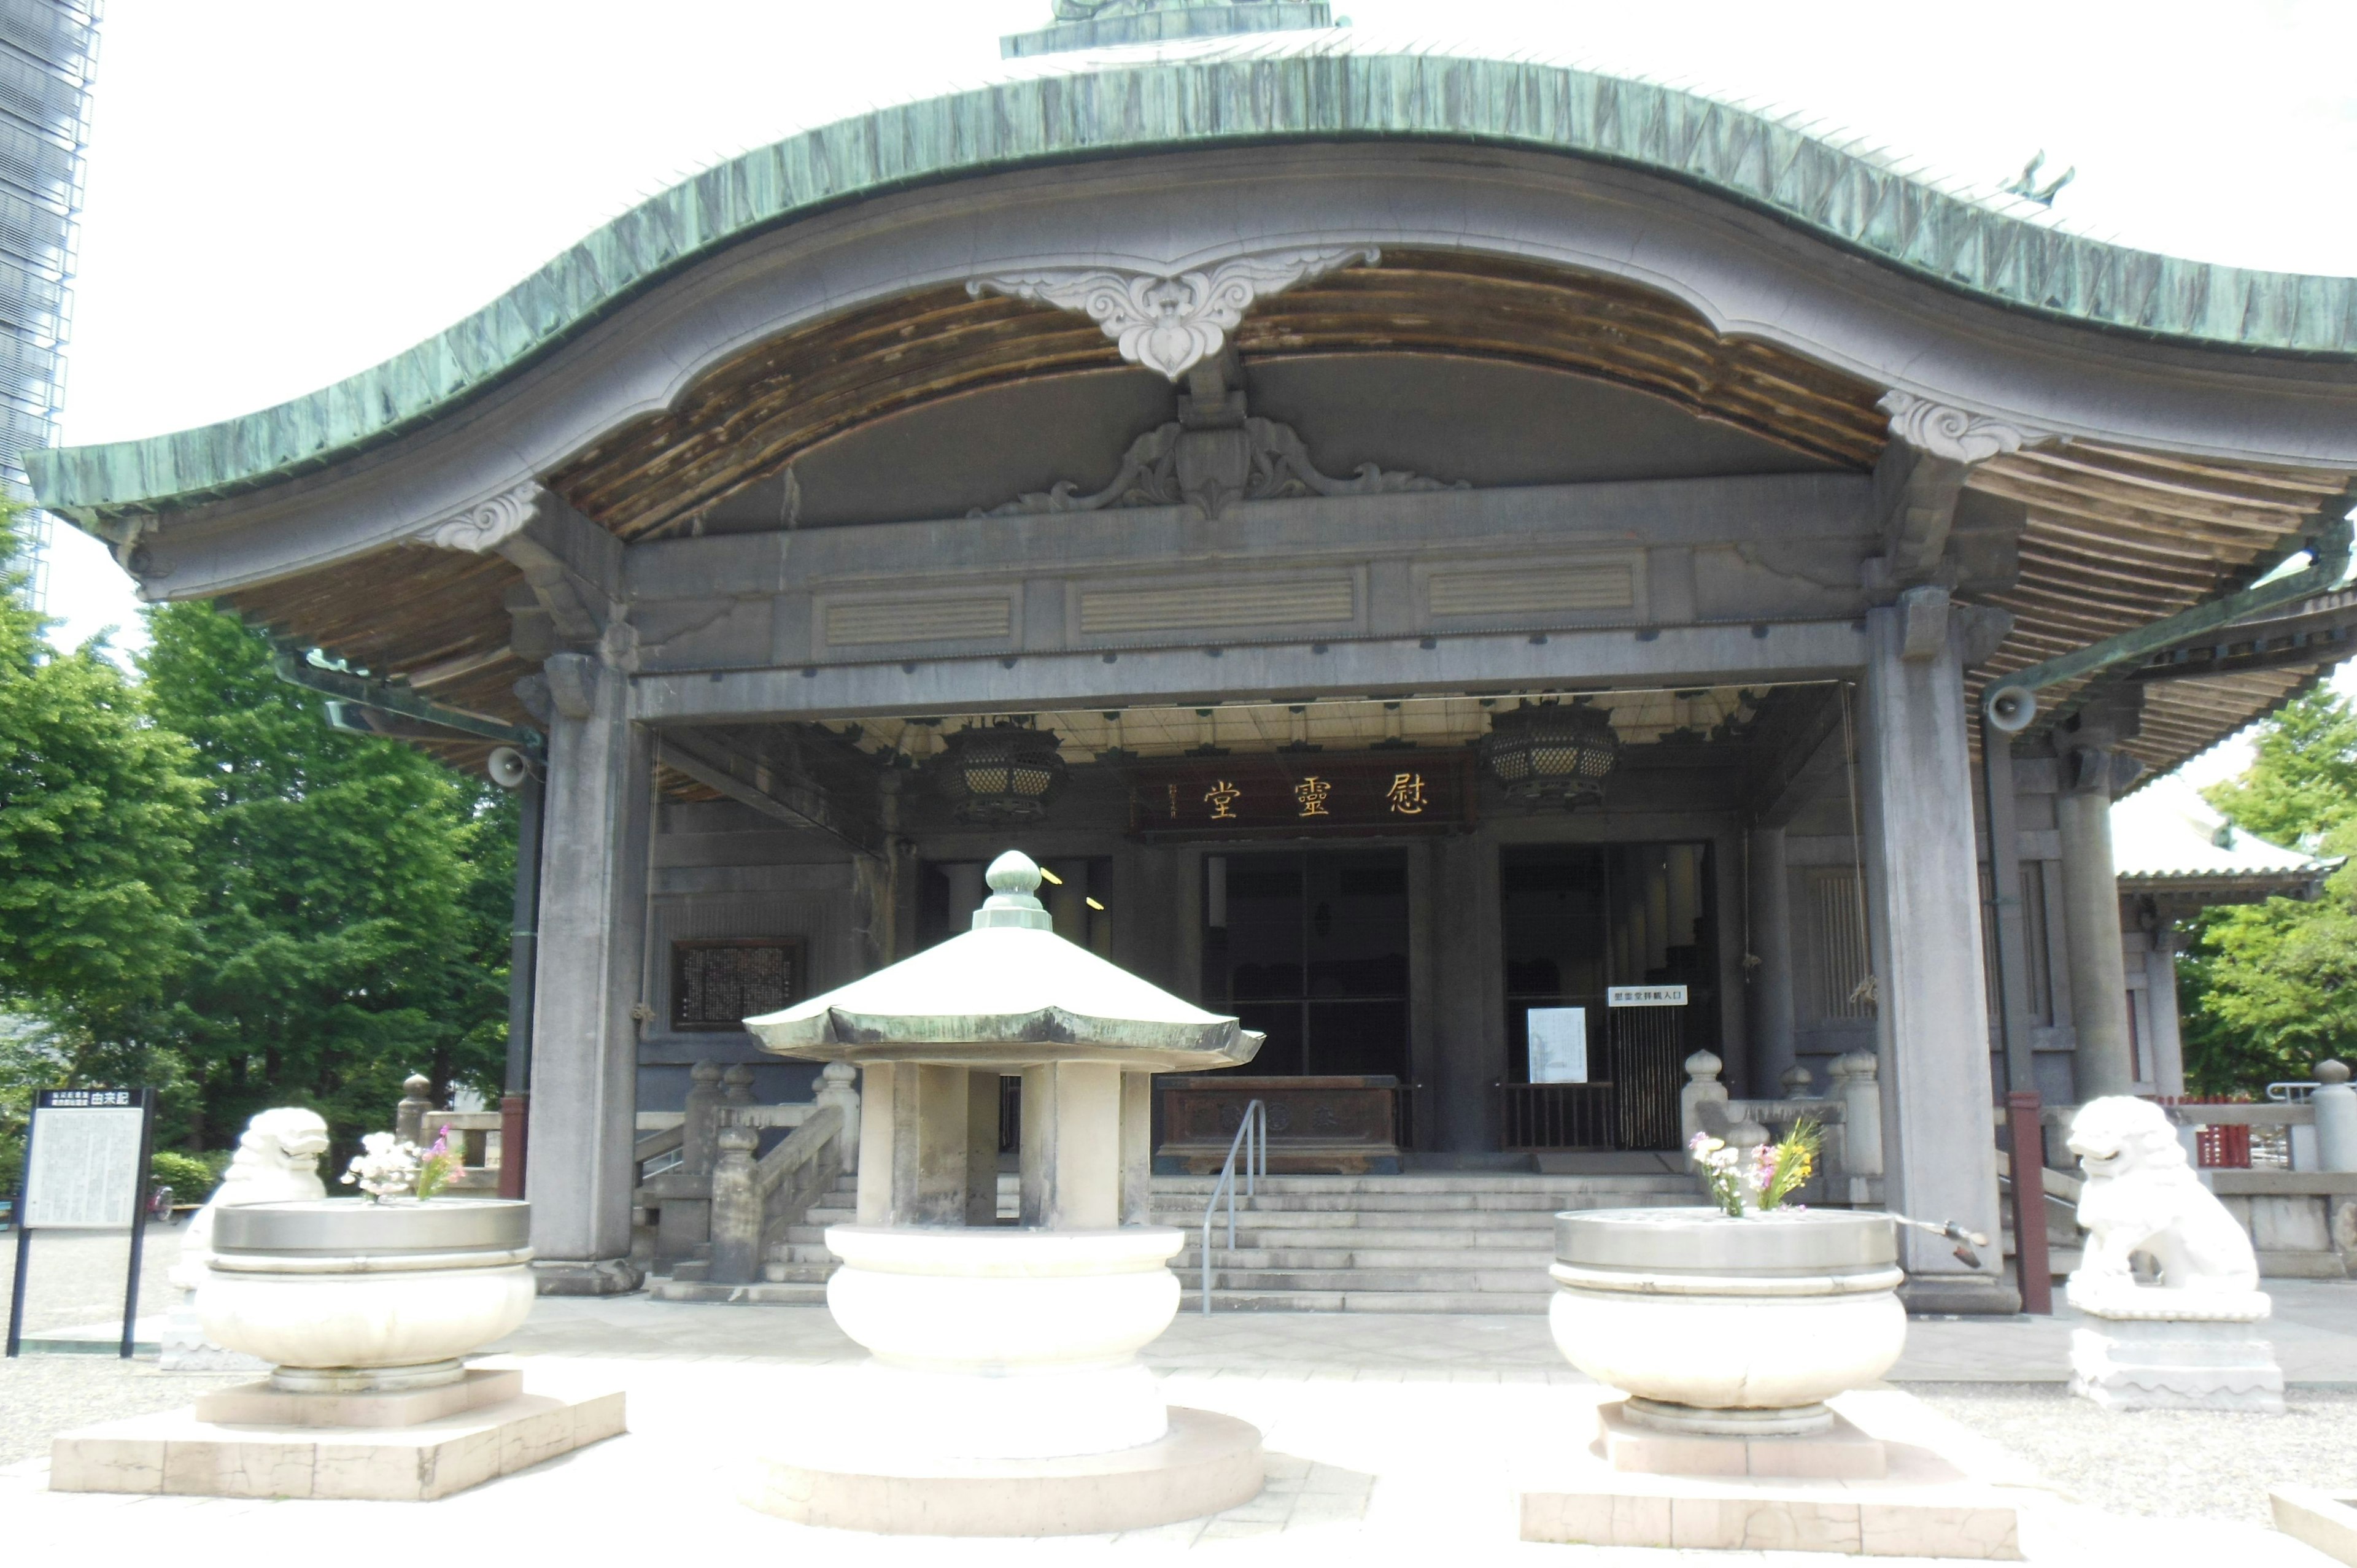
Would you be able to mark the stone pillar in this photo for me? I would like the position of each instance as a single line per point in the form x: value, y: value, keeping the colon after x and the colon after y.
x: 1773, y: 1048
x: 966, y: 892
x: 1137, y: 1148
x: 409, y: 1113
x: 835, y: 1089
x: 1071, y: 1155
x: 2168, y: 1045
x: 981, y: 1146
x: 2105, y: 1061
x: 696, y: 1148
x: 879, y: 1086
x: 2335, y: 1103
x: 1932, y: 1016
x: 593, y: 896
x: 1470, y: 1012
x: 735, y: 1209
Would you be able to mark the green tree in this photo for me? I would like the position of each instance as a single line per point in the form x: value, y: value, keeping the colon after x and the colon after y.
x: 96, y: 810
x: 2271, y: 989
x: 350, y: 925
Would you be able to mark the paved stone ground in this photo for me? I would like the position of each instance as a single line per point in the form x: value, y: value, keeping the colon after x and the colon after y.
x: 78, y: 1276
x: 1389, y: 1437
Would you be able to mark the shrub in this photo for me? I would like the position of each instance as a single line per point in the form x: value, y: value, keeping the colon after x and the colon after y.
x: 191, y: 1176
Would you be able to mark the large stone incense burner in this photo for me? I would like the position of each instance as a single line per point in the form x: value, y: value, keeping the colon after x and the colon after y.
x: 1005, y: 1396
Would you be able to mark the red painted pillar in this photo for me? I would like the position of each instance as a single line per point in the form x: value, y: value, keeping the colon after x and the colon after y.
x: 2033, y: 1265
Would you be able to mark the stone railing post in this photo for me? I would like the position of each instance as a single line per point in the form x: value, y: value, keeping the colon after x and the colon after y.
x: 696, y: 1148
x: 1702, y: 1086
x: 835, y: 1088
x: 1797, y: 1082
x: 1854, y: 1085
x: 2335, y: 1103
x: 409, y: 1115
x: 738, y: 1083
x: 735, y: 1209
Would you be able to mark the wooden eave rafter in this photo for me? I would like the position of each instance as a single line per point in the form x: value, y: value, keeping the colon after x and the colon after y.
x: 2115, y: 539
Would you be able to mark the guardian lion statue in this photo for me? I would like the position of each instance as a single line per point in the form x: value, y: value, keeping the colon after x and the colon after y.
x: 2142, y: 1196
x: 277, y: 1161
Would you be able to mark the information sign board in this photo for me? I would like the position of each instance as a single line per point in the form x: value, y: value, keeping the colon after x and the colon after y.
x: 85, y: 1169
x: 81, y: 1171
x: 1558, y: 1045
x: 1645, y: 996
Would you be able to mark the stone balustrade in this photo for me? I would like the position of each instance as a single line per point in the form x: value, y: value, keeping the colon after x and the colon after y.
x: 1850, y: 1115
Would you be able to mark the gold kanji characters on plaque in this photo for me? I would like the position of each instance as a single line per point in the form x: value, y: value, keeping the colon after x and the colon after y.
x: 1312, y: 793
x: 1224, y: 797
x: 1406, y: 796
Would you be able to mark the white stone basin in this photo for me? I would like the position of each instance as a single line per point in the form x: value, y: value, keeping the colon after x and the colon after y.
x: 343, y: 1294
x: 1005, y: 1343
x: 1718, y: 1325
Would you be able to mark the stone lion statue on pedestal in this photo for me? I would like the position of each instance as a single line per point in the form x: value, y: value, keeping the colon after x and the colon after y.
x: 2142, y: 1196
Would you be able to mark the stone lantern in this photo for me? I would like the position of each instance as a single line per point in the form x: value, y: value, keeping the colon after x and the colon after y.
x: 1005, y: 1396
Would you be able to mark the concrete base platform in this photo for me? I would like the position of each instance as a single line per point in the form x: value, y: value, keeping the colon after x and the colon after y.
x: 762, y: 1292
x: 1843, y: 1453
x: 178, y: 1454
x: 1207, y: 1463
x: 260, y: 1405
x: 2325, y: 1521
x: 1923, y: 1504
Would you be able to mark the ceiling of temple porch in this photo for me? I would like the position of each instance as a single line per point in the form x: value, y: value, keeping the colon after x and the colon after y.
x: 1741, y: 407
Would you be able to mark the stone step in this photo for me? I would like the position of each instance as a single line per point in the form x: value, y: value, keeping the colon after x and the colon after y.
x: 1401, y: 1282
x: 769, y: 1293
x: 1445, y: 1202
x: 1454, y: 1184
x: 1535, y: 1238
x: 1535, y: 1221
x: 1420, y: 1260
x: 1463, y: 1303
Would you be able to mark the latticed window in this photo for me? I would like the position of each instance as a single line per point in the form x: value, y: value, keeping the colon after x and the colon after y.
x: 1834, y: 989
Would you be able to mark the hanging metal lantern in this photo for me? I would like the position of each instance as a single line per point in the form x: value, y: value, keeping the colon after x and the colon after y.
x: 1550, y: 754
x: 999, y: 773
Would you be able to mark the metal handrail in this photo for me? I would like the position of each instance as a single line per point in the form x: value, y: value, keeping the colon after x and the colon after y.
x: 1255, y: 1152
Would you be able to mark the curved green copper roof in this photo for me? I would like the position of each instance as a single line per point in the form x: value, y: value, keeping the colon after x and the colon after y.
x: 1278, y: 87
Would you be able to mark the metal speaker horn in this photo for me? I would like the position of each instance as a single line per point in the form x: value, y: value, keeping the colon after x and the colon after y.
x: 508, y: 768
x: 2010, y: 708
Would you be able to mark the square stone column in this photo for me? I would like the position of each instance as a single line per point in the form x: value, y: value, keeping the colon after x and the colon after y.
x: 1071, y: 1157
x: 593, y: 910
x: 1932, y: 1018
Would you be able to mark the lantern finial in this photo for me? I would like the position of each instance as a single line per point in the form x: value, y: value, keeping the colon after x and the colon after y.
x: 1013, y: 879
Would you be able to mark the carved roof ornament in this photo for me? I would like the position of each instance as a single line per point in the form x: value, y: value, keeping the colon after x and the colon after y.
x: 1172, y: 323
x: 1258, y: 460
x: 1954, y: 432
x: 487, y: 524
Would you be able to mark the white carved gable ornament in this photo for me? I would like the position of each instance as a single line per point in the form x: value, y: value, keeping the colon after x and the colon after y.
x: 1172, y: 323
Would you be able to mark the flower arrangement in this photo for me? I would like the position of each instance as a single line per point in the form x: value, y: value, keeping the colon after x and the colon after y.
x: 1768, y: 1180
x: 387, y: 1167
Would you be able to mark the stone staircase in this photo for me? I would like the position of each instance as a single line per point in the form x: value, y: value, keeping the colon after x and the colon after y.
x: 1458, y: 1241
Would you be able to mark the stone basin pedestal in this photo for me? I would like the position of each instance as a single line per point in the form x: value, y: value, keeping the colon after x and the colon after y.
x: 1005, y: 1396
x: 366, y: 1313
x: 1736, y: 1341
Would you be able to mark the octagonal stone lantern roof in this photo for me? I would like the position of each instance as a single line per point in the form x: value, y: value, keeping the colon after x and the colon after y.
x: 1009, y: 992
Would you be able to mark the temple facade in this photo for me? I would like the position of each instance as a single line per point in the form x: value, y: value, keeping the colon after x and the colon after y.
x: 1500, y: 578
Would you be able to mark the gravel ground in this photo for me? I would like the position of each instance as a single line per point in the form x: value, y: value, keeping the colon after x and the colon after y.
x: 2165, y: 1462
x: 77, y: 1275
x: 41, y: 1396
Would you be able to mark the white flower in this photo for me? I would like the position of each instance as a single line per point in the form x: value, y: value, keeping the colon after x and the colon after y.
x: 384, y: 1168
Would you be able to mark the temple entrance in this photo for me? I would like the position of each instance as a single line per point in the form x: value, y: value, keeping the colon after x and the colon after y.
x: 1609, y: 951
x: 1309, y: 947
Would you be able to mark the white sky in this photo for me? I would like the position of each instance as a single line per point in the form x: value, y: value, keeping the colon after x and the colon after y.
x: 283, y: 192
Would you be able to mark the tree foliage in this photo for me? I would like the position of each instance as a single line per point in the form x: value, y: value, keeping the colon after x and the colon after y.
x: 2271, y: 989
x: 96, y: 810
x: 350, y: 919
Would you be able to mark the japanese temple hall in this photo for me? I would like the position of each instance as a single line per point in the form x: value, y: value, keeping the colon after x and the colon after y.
x: 1500, y: 576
